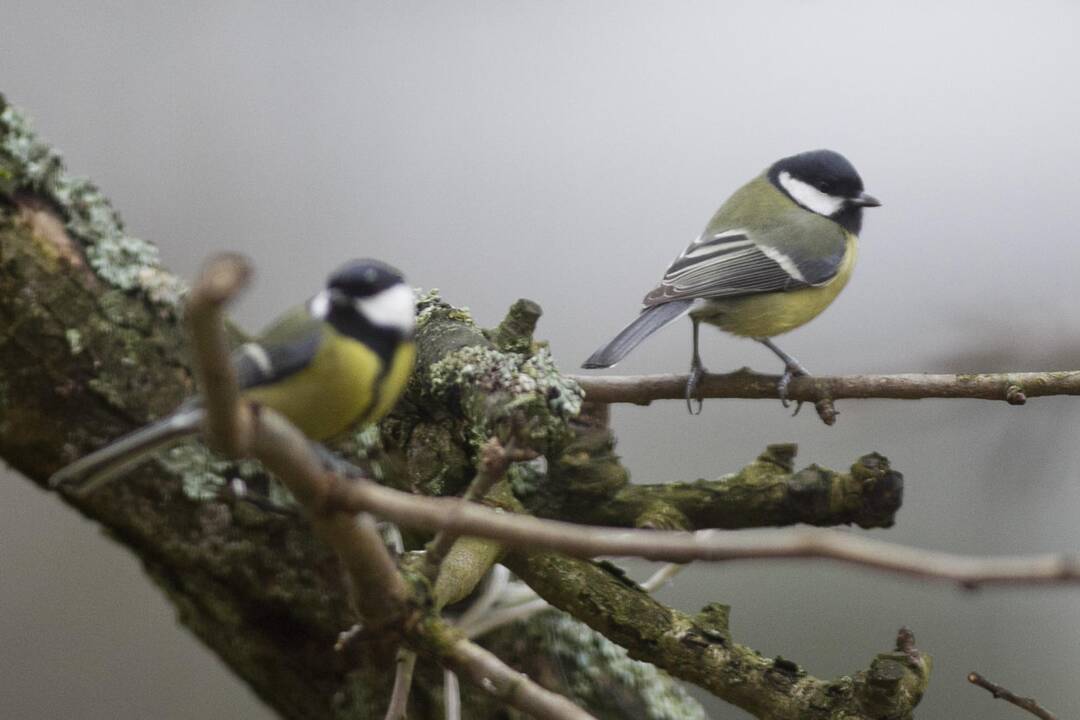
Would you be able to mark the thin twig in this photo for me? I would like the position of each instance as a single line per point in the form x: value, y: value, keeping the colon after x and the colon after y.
x: 1013, y: 388
x: 997, y: 691
x: 512, y: 608
x: 471, y: 661
x: 403, y: 675
x: 227, y: 425
x: 505, y: 616
x: 530, y: 533
x: 451, y: 696
x: 661, y: 577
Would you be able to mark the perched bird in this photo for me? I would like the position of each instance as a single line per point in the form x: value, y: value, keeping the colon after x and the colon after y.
x: 771, y: 259
x: 340, y: 359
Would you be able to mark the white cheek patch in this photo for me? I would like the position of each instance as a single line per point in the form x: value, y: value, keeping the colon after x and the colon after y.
x: 394, y: 307
x: 319, y: 306
x: 809, y: 196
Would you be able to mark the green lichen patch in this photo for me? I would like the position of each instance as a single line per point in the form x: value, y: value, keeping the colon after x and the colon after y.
x: 29, y: 166
x: 600, y: 675
x: 205, y: 475
x: 495, y: 387
x: 74, y: 338
x: 430, y: 304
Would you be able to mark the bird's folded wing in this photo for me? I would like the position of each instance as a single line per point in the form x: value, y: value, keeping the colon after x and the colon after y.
x: 285, y: 348
x: 740, y: 262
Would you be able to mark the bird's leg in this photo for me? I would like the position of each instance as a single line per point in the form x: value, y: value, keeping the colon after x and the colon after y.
x: 792, y: 369
x: 697, y: 371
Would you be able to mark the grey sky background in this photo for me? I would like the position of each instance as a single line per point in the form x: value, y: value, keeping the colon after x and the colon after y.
x: 565, y: 152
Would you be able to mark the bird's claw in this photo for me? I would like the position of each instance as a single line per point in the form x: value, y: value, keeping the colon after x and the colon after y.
x: 782, y: 386
x: 697, y: 372
x: 790, y: 373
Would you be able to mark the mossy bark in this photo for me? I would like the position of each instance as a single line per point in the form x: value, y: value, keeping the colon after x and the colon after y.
x: 91, y: 347
x: 700, y: 648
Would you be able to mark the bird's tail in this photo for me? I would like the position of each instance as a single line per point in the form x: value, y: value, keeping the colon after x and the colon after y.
x: 101, y: 466
x: 649, y: 321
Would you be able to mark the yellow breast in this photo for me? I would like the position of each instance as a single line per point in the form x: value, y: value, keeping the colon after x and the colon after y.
x: 344, y: 384
x: 769, y: 314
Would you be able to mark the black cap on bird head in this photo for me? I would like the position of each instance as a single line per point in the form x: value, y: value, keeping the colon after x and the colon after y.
x: 363, y: 278
x: 824, y: 182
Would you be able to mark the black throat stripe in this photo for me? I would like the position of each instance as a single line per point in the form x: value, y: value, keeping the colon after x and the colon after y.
x: 383, y: 341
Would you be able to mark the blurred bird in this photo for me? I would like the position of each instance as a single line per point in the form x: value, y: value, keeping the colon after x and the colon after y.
x: 342, y: 358
x: 771, y: 259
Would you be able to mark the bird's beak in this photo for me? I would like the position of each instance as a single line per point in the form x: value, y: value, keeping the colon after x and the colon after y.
x: 865, y: 199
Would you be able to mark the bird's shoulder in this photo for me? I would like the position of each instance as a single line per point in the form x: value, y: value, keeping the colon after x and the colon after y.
x: 284, y: 347
x: 767, y: 216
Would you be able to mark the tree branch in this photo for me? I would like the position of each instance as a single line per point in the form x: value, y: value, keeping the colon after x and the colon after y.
x: 700, y: 648
x: 1013, y: 388
x: 587, y: 484
x: 530, y: 533
x: 1025, y: 703
x: 228, y: 429
x: 468, y: 660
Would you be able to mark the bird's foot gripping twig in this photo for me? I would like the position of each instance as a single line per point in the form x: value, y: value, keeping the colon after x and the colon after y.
x: 697, y: 372
x: 792, y: 369
x: 790, y: 373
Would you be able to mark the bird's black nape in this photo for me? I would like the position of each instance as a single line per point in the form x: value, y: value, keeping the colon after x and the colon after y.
x: 363, y: 278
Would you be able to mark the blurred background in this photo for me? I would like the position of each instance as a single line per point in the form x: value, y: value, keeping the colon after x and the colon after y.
x: 565, y: 152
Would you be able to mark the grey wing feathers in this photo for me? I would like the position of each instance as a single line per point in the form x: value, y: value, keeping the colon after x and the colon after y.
x: 262, y: 363
x: 101, y: 466
x: 649, y: 321
x: 733, y: 263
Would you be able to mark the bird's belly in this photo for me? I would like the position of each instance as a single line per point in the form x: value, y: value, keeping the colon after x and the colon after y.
x: 329, y: 395
x: 769, y: 314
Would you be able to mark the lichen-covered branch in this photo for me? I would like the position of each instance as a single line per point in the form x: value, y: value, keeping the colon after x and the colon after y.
x: 1013, y: 388
x: 700, y: 648
x: 587, y: 484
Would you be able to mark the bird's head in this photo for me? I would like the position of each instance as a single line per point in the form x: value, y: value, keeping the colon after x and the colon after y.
x: 823, y: 182
x: 370, y: 289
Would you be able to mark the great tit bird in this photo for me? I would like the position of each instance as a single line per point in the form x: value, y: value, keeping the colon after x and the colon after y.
x: 340, y: 359
x: 771, y: 259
